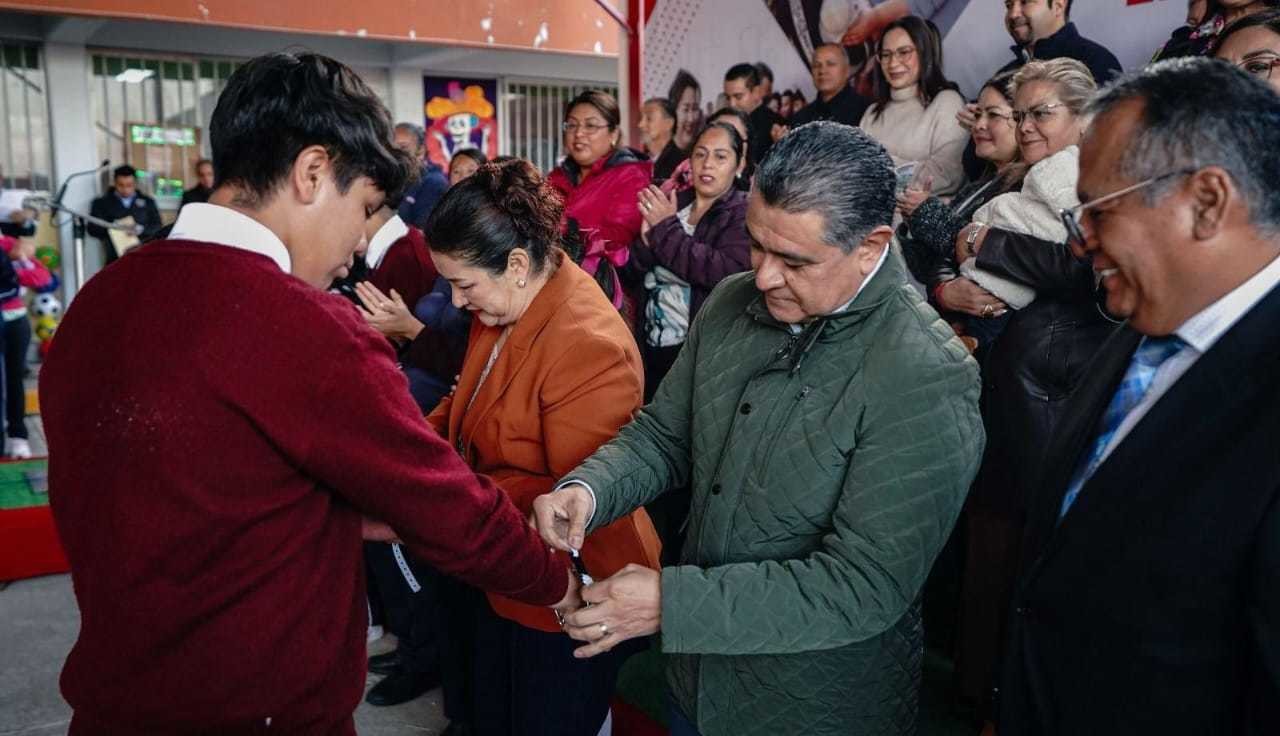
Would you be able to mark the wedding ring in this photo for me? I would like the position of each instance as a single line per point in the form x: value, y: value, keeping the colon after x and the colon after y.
x: 604, y: 630
x: 987, y: 310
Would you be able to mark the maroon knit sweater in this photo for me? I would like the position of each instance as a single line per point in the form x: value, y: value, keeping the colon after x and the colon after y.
x: 216, y: 427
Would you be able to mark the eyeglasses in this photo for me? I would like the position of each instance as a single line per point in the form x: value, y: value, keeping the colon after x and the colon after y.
x: 1260, y: 65
x: 571, y: 127
x: 994, y: 114
x: 1071, y: 217
x: 902, y: 54
x: 1039, y: 114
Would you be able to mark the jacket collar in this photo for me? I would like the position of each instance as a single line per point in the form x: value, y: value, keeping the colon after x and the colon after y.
x: 878, y: 289
x: 621, y: 155
x: 1054, y: 46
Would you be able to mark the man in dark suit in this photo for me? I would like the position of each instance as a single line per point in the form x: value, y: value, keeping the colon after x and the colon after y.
x: 1149, y: 595
x: 124, y: 200
x: 204, y: 184
x: 744, y: 90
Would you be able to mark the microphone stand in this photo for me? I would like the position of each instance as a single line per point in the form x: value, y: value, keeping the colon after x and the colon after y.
x: 80, y: 220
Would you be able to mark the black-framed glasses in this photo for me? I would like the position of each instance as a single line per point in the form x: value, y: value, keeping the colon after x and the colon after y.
x: 1039, y: 114
x: 1260, y: 65
x: 902, y: 54
x: 1071, y: 217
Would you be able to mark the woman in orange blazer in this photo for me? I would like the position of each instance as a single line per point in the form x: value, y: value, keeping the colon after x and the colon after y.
x: 551, y: 373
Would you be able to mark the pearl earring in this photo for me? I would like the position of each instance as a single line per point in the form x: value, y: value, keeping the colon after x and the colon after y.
x: 520, y: 283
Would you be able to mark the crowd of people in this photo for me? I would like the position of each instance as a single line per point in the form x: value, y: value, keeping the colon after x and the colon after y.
x: 730, y: 394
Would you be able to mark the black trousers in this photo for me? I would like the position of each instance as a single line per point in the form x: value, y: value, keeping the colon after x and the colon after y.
x: 668, y: 511
x: 412, y: 616
x: 17, y: 338
x: 528, y: 683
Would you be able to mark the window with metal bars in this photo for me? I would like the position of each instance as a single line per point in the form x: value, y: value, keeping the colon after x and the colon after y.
x: 24, y: 117
x: 530, y: 114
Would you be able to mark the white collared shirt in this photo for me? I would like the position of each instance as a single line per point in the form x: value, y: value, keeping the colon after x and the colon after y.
x: 391, y: 231
x: 1199, y: 333
x: 212, y: 223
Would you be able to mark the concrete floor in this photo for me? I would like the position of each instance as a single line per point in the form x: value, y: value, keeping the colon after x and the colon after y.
x: 38, y: 624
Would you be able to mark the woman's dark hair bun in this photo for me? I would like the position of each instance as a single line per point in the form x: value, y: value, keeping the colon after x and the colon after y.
x: 504, y: 205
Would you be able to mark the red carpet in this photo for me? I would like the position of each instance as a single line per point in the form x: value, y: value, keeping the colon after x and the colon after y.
x: 29, y: 544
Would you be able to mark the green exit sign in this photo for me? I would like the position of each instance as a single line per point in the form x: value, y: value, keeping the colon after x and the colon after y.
x: 155, y: 135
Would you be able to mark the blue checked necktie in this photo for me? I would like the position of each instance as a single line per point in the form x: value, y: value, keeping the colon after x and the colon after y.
x: 1147, y: 359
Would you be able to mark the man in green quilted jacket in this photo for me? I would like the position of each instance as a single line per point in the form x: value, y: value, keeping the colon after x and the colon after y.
x: 827, y: 423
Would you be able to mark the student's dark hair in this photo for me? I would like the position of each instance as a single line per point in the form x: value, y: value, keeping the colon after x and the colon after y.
x: 475, y: 154
x: 736, y: 142
x: 123, y: 170
x: 731, y: 112
x: 663, y: 104
x: 684, y: 80
x: 763, y: 71
x: 1269, y: 19
x: 603, y: 102
x: 928, y: 42
x: 501, y: 207
x: 746, y: 72
x: 278, y: 104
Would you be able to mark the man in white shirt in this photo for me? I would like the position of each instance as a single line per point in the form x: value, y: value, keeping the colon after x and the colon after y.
x: 1149, y: 596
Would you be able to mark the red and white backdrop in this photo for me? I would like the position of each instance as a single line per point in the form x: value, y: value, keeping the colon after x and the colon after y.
x: 705, y: 37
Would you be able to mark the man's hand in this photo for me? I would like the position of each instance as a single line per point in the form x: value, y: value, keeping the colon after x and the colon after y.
x: 561, y: 516
x: 968, y: 116
x: 625, y: 606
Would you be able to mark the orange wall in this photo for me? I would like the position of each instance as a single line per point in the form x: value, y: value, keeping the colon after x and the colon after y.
x: 574, y: 26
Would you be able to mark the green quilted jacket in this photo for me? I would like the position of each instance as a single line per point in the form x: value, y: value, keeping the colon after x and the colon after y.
x: 827, y: 469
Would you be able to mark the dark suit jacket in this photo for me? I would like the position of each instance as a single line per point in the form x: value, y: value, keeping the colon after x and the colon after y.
x: 1154, y: 606
x: 109, y: 207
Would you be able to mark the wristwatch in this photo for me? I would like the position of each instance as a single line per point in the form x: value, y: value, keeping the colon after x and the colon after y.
x: 975, y: 229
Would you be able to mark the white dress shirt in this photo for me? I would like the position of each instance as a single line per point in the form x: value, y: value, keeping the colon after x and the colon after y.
x: 1199, y: 333
x: 391, y: 231
x: 212, y: 223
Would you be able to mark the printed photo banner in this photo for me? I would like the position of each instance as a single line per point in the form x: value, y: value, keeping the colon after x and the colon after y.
x: 703, y: 38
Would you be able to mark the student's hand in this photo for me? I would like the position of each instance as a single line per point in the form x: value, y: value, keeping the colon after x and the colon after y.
x: 372, y: 530
x: 388, y: 315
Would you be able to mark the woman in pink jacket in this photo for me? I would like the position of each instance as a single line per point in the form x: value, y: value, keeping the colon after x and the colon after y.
x: 599, y: 180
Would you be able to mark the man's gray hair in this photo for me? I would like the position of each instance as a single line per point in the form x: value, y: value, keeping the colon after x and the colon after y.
x: 1200, y: 112
x: 836, y: 171
x: 419, y: 134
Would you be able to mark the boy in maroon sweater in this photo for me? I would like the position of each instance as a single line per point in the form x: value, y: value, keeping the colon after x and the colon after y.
x: 209, y: 482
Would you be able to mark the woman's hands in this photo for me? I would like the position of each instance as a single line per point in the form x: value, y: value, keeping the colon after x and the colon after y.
x: 388, y: 315
x: 962, y: 295
x: 655, y: 206
x: 914, y: 195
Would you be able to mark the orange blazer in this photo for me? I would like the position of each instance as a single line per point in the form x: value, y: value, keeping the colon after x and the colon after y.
x: 568, y: 378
